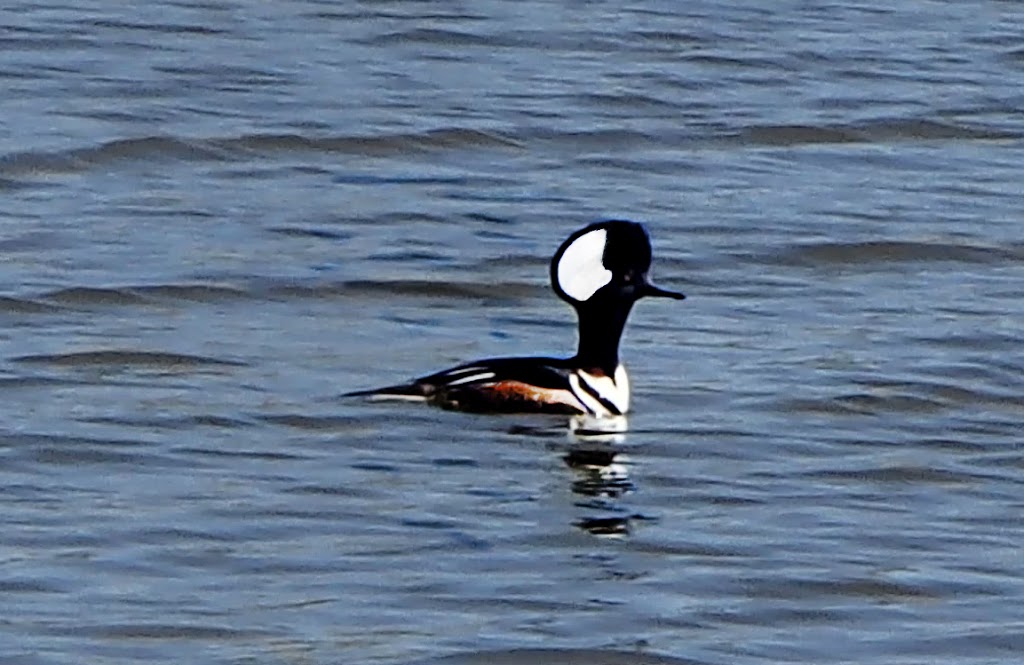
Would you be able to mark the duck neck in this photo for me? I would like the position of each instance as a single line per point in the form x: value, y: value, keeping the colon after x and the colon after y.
x: 600, y: 330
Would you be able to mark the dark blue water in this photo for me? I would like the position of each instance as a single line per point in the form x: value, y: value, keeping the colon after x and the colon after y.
x: 218, y: 217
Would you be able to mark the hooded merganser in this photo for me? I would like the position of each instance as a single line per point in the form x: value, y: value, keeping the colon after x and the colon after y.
x: 600, y: 270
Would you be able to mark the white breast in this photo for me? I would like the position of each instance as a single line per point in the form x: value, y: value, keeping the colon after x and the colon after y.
x: 602, y: 395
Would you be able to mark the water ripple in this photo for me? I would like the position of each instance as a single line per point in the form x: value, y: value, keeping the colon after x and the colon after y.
x: 25, y: 306
x: 159, y: 148
x: 559, y: 657
x: 160, y: 631
x: 125, y: 358
x: 156, y: 148
x: 892, y: 252
x: 879, y: 131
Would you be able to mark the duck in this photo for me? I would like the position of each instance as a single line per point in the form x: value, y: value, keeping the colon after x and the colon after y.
x: 600, y: 270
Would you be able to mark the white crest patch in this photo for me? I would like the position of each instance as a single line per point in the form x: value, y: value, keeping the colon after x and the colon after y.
x: 581, y: 271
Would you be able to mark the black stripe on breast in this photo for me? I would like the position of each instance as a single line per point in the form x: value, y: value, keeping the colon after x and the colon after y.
x: 604, y: 401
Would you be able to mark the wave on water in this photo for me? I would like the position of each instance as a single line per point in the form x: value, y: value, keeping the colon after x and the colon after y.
x: 142, y: 295
x: 558, y: 657
x: 9, y: 305
x: 243, y: 148
x: 437, y: 36
x: 446, y: 290
x: 900, y: 474
x: 876, y: 131
x: 891, y: 251
x: 163, y: 631
x: 316, y: 423
x: 125, y: 358
x: 54, y: 449
x: 910, y: 397
x: 185, y: 422
x: 261, y: 290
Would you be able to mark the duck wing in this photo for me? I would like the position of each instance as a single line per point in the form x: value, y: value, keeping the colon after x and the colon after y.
x: 505, y: 385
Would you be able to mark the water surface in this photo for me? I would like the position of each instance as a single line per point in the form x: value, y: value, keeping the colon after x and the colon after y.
x: 220, y: 216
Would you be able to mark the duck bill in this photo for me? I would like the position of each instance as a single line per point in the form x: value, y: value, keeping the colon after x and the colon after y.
x: 651, y: 291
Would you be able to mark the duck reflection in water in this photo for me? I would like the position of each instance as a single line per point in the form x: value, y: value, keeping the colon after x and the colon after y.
x: 600, y: 470
x: 601, y: 474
